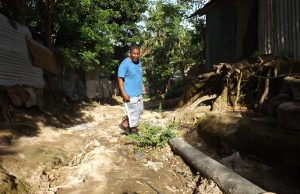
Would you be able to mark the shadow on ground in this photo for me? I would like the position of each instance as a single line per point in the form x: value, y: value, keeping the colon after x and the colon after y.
x: 158, y: 103
x: 26, y: 121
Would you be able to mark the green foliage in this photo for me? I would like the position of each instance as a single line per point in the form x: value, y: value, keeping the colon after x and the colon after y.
x: 159, y: 39
x: 169, y: 45
x: 85, y: 33
x: 96, y: 33
x: 152, y: 136
x: 197, y: 47
x: 89, y: 31
x: 176, y: 89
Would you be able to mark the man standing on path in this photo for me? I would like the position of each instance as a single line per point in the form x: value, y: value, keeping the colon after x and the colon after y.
x: 130, y: 82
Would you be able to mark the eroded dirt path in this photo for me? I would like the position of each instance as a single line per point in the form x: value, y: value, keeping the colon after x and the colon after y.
x: 93, y: 158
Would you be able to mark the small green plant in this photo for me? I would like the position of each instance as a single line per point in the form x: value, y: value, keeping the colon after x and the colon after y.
x: 160, y: 109
x: 152, y: 136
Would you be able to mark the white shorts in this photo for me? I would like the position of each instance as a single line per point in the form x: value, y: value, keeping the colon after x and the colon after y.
x: 133, y: 110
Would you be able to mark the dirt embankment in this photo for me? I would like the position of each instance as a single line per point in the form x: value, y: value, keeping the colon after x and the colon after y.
x: 252, y: 145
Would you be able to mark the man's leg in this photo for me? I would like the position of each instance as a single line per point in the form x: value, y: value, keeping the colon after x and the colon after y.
x: 125, y: 122
x: 135, y: 115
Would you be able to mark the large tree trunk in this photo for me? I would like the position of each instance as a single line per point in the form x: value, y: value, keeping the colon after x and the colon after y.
x: 22, y: 9
x: 221, y: 103
x: 47, y: 22
x: 46, y: 12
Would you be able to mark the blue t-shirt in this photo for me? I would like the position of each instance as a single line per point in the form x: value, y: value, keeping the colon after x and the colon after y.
x: 132, y: 74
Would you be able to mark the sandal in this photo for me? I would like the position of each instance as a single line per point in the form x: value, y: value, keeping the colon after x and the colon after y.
x: 134, y: 131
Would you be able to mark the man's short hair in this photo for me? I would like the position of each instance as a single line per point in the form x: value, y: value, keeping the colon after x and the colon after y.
x: 134, y: 46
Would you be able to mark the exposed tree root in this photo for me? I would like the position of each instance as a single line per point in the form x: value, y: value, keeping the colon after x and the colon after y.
x: 238, y: 83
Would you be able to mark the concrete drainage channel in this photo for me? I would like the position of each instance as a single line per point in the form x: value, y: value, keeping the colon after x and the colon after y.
x: 226, y: 179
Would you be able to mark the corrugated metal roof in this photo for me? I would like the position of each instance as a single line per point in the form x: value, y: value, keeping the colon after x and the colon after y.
x: 15, y: 62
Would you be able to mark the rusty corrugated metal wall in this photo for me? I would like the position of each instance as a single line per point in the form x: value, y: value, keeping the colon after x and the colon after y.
x: 15, y: 63
x: 220, y: 35
x: 226, y: 27
x: 279, y: 27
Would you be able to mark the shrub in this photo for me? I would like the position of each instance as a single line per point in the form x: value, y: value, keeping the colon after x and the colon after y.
x: 176, y: 89
x: 152, y: 136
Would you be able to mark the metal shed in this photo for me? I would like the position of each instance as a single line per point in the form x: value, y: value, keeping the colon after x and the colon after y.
x: 279, y: 27
x: 16, y: 66
x: 238, y: 28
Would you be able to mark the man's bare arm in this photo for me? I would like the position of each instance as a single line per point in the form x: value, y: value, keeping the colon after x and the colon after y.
x: 144, y: 90
x: 121, y: 87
